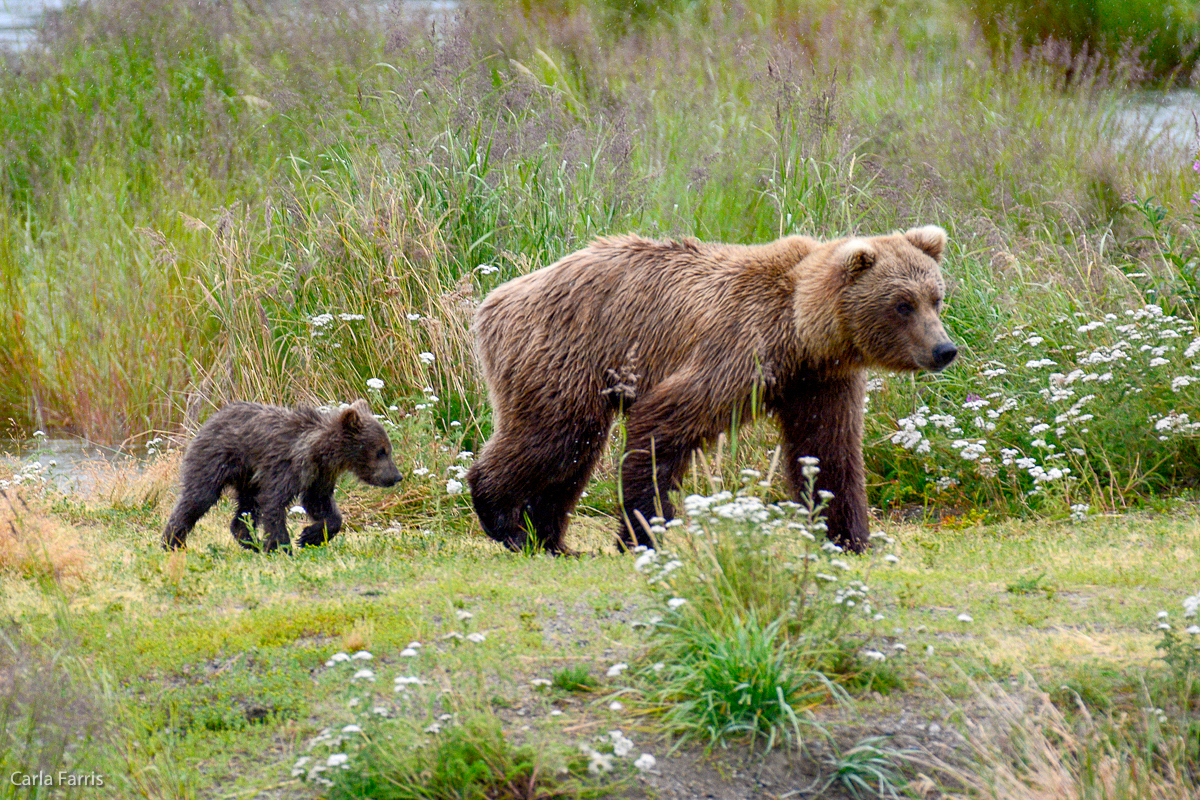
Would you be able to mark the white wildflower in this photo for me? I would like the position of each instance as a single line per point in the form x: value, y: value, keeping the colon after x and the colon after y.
x: 622, y: 744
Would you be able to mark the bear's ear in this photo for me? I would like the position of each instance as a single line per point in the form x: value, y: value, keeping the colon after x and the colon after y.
x: 856, y: 256
x: 355, y: 414
x: 931, y: 239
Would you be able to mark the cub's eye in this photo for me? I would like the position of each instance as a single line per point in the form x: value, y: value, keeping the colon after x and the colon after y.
x: 382, y: 453
x: 904, y: 309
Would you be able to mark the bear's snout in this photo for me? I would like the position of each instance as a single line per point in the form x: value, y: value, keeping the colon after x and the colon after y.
x: 943, y: 354
x: 386, y: 478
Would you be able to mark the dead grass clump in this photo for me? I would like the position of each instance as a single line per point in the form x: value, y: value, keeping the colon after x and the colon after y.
x: 34, y: 544
x: 1022, y: 747
x: 129, y: 484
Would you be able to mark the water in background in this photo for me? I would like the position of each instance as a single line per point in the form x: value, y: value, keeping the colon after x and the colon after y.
x: 19, y: 20
x: 71, y: 465
x: 1166, y: 122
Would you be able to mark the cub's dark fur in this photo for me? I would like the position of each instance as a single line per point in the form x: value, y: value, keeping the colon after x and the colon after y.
x: 269, y: 455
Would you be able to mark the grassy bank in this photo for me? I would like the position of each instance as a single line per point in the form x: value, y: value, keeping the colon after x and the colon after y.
x: 214, y: 672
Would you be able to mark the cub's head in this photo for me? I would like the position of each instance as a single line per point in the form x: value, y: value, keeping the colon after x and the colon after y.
x: 891, y: 297
x: 369, y: 451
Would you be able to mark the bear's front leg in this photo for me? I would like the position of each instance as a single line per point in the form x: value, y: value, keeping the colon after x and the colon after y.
x: 824, y: 418
x: 247, y: 505
x: 327, y: 518
x: 274, y: 520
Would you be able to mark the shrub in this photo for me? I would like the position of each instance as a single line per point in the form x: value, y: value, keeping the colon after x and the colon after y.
x: 762, y: 615
x: 1163, y: 37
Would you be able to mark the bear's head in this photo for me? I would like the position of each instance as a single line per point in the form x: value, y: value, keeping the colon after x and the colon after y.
x: 368, y: 449
x: 891, y: 296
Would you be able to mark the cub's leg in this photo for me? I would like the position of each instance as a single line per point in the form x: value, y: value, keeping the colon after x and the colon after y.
x: 327, y: 519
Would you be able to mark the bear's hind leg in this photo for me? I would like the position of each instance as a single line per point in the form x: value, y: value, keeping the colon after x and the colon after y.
x: 663, y: 429
x: 545, y: 517
x: 193, y: 504
x: 523, y: 491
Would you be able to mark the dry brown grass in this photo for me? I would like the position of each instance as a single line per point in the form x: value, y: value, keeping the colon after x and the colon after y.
x: 33, y: 543
x: 130, y: 484
x: 1020, y: 746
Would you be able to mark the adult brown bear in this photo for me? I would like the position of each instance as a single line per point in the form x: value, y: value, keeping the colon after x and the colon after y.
x: 685, y: 338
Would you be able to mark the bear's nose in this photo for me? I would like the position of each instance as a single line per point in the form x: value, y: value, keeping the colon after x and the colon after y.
x: 943, y: 354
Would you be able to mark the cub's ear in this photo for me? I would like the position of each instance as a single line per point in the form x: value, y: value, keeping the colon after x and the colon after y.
x: 856, y: 256
x: 931, y: 239
x: 355, y: 414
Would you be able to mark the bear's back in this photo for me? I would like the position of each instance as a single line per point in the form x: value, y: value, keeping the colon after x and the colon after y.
x: 631, y: 305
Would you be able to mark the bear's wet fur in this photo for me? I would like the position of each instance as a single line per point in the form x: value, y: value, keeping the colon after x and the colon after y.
x: 686, y: 338
x: 269, y: 456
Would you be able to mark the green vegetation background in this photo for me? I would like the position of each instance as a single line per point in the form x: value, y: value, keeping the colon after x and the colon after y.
x: 278, y: 204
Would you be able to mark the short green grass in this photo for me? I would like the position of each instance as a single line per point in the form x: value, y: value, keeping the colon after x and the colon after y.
x: 210, y: 664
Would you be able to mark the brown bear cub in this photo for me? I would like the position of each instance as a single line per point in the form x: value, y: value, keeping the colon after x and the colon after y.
x: 269, y: 455
x: 687, y: 338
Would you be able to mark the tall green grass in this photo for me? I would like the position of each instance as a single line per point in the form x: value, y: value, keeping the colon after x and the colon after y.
x: 187, y: 196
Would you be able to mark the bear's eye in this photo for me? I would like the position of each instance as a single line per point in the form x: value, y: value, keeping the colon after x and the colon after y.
x: 382, y: 453
x: 904, y: 308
